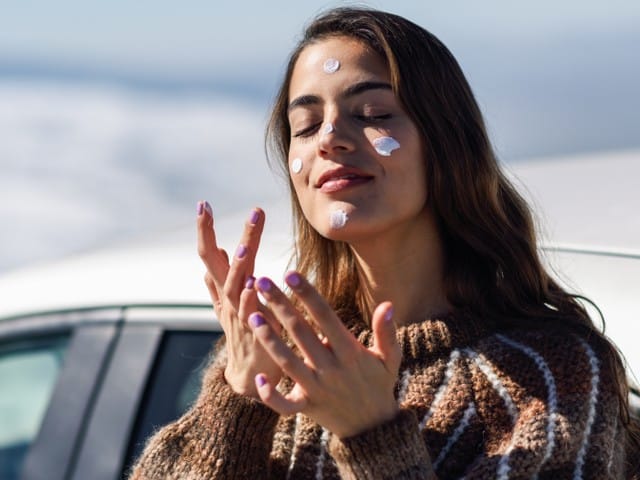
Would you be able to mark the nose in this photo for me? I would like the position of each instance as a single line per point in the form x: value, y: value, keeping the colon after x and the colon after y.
x: 335, y: 137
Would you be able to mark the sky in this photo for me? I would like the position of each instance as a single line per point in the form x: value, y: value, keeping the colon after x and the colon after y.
x: 575, y: 59
x: 118, y: 116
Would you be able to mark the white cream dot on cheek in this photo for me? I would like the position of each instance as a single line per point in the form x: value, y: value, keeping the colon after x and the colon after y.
x: 296, y: 165
x: 338, y: 219
x: 385, y: 145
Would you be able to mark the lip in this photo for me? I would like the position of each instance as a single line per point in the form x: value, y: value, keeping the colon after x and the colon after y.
x: 340, y: 178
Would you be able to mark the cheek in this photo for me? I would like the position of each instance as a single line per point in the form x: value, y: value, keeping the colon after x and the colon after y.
x: 385, y: 145
x: 295, y: 166
x: 298, y: 174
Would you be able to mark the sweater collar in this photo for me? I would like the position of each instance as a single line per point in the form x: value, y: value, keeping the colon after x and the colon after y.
x: 432, y: 337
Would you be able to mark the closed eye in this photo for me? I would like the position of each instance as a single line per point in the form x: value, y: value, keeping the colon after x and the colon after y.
x: 307, y: 131
x: 374, y: 118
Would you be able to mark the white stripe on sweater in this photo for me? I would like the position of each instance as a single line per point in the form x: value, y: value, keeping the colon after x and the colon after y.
x: 448, y: 374
x: 404, y: 385
x: 493, y: 378
x: 552, y: 396
x: 484, y: 366
x: 294, y: 449
x: 462, y: 426
x: 593, y: 400
x: 613, y: 450
x: 324, y: 439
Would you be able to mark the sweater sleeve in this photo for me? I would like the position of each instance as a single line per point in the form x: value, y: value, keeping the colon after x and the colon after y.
x: 393, y: 450
x: 549, y: 408
x: 223, y: 436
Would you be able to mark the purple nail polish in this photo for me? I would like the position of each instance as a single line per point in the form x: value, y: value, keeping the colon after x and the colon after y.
x: 261, y: 380
x: 253, y: 219
x: 293, y: 279
x: 389, y: 315
x: 208, y: 208
x: 264, y: 284
x: 200, y: 208
x: 241, y: 251
x: 256, y: 320
x: 250, y: 281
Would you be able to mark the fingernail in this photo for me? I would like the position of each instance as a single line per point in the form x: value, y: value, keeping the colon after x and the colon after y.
x: 293, y: 279
x: 253, y: 218
x: 389, y: 315
x: 249, y: 282
x: 261, y: 380
x: 264, y: 284
x: 200, y: 208
x: 241, y: 251
x: 256, y: 320
x: 208, y: 208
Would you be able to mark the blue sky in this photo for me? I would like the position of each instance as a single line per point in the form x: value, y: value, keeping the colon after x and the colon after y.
x: 572, y: 61
x: 197, y: 34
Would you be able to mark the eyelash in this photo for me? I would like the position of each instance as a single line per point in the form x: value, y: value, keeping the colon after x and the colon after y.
x: 308, y: 131
x: 374, y: 118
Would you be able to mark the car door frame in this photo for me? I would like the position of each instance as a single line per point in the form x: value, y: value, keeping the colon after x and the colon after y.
x: 92, y: 334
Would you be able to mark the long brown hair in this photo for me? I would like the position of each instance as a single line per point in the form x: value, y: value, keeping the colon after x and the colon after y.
x: 492, y: 267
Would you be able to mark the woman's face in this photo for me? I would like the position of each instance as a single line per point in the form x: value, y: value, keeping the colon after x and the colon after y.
x: 355, y: 159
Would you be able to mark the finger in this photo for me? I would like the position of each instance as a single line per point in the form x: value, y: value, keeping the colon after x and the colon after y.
x: 244, y: 258
x: 340, y: 338
x: 300, y: 331
x: 253, y: 231
x: 213, y: 257
x: 275, y: 400
x: 213, y: 292
x: 249, y: 302
x: 281, y: 354
x: 248, y: 299
x: 385, y: 342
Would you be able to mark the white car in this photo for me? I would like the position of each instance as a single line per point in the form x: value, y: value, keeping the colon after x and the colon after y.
x: 98, y: 350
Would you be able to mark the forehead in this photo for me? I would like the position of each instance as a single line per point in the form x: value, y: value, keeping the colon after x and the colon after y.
x: 357, y: 62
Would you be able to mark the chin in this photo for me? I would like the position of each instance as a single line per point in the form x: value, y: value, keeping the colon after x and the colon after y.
x: 350, y: 233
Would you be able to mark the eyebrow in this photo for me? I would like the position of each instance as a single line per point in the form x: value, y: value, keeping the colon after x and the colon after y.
x: 353, y: 90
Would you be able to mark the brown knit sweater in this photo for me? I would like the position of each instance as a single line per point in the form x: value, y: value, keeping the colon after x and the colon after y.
x: 475, y: 404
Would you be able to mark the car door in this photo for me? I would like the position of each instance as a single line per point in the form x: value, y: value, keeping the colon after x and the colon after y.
x: 50, y: 367
x: 152, y: 378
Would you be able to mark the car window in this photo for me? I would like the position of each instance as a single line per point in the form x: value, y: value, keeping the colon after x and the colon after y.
x: 173, y: 384
x: 28, y: 373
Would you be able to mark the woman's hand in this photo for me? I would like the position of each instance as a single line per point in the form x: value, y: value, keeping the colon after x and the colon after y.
x: 233, y: 296
x: 342, y: 385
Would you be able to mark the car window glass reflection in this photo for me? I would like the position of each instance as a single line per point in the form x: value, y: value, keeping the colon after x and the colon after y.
x: 28, y: 373
x: 173, y: 385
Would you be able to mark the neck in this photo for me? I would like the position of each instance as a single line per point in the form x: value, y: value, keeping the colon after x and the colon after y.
x: 405, y: 267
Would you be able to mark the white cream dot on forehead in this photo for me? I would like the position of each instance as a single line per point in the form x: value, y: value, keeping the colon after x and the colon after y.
x: 385, y: 145
x: 331, y: 65
x: 296, y: 165
x: 338, y: 219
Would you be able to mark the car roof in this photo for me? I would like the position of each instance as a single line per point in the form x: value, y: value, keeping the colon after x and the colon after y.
x: 589, y: 201
x: 162, y: 271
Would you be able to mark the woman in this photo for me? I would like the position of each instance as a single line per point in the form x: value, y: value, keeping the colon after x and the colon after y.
x: 422, y: 337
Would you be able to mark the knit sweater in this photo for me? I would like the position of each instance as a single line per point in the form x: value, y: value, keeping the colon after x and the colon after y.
x: 474, y: 404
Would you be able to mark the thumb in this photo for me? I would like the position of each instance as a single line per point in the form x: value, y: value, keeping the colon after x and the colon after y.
x: 384, y: 336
